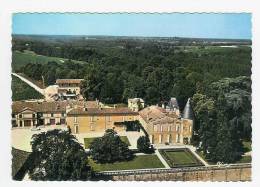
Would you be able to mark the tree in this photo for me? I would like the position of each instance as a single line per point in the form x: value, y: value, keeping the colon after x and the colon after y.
x: 228, y: 145
x: 109, y: 148
x: 143, y: 144
x: 58, y: 156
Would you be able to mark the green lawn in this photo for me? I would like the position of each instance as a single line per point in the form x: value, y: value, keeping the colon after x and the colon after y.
x: 247, y: 146
x: 179, y: 157
x: 20, y: 59
x: 245, y: 159
x: 22, y: 91
x: 87, y: 141
x: 139, y: 162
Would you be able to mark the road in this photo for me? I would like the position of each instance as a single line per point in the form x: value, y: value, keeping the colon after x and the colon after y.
x: 38, y: 89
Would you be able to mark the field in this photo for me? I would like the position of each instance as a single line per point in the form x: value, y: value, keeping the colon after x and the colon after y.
x: 20, y: 59
x: 87, y: 141
x: 245, y: 159
x: 139, y: 162
x: 22, y: 91
x: 179, y: 157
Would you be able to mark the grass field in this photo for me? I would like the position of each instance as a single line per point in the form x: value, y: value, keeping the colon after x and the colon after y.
x: 247, y: 146
x: 139, y: 162
x: 245, y: 159
x: 179, y: 157
x: 22, y: 91
x: 20, y: 59
x: 87, y: 141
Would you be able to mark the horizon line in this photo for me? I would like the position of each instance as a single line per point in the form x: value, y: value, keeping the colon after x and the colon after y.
x: 139, y: 36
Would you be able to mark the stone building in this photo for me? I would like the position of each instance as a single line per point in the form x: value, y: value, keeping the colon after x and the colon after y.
x: 135, y: 104
x: 32, y: 114
x: 97, y: 119
x: 69, y: 88
x: 167, y: 125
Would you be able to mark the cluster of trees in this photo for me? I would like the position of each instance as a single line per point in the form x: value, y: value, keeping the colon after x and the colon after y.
x: 223, y: 118
x: 109, y: 148
x: 116, y: 70
x: 57, y: 155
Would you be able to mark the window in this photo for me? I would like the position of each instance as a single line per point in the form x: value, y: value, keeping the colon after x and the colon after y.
x: 178, y: 138
x: 52, y: 114
x: 160, y: 138
x: 161, y: 128
x: 13, y: 115
x: 20, y: 115
x: 177, y: 128
x: 63, y: 114
x: 75, y: 119
x: 92, y: 127
x: 76, y: 129
x: 33, y: 115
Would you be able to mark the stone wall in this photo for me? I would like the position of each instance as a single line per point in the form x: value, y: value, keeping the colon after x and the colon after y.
x: 207, y: 174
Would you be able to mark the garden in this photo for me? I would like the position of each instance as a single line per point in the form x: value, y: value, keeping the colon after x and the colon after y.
x: 179, y: 158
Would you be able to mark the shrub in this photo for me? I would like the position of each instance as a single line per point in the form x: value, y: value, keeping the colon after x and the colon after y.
x: 143, y: 144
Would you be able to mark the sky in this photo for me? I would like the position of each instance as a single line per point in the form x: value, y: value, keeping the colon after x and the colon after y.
x: 199, y: 25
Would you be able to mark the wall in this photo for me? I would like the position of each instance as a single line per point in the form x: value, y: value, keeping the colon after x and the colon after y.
x: 216, y: 174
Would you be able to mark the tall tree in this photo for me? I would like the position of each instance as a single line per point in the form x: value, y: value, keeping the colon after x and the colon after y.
x: 58, y: 156
x: 109, y: 148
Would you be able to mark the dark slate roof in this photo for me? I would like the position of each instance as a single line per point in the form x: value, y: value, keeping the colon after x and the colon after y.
x: 173, y: 103
x: 187, y: 112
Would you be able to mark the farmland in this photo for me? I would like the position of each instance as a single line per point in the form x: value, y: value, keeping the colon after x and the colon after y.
x: 20, y: 59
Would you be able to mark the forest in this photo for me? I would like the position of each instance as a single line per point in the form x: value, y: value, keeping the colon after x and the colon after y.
x: 216, y: 77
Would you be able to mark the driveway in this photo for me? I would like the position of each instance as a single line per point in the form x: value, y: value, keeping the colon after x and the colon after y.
x: 21, y: 137
x: 38, y: 89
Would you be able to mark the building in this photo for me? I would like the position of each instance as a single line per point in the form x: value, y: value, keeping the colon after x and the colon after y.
x: 69, y: 86
x: 136, y: 104
x: 32, y: 114
x: 167, y: 126
x: 96, y: 119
